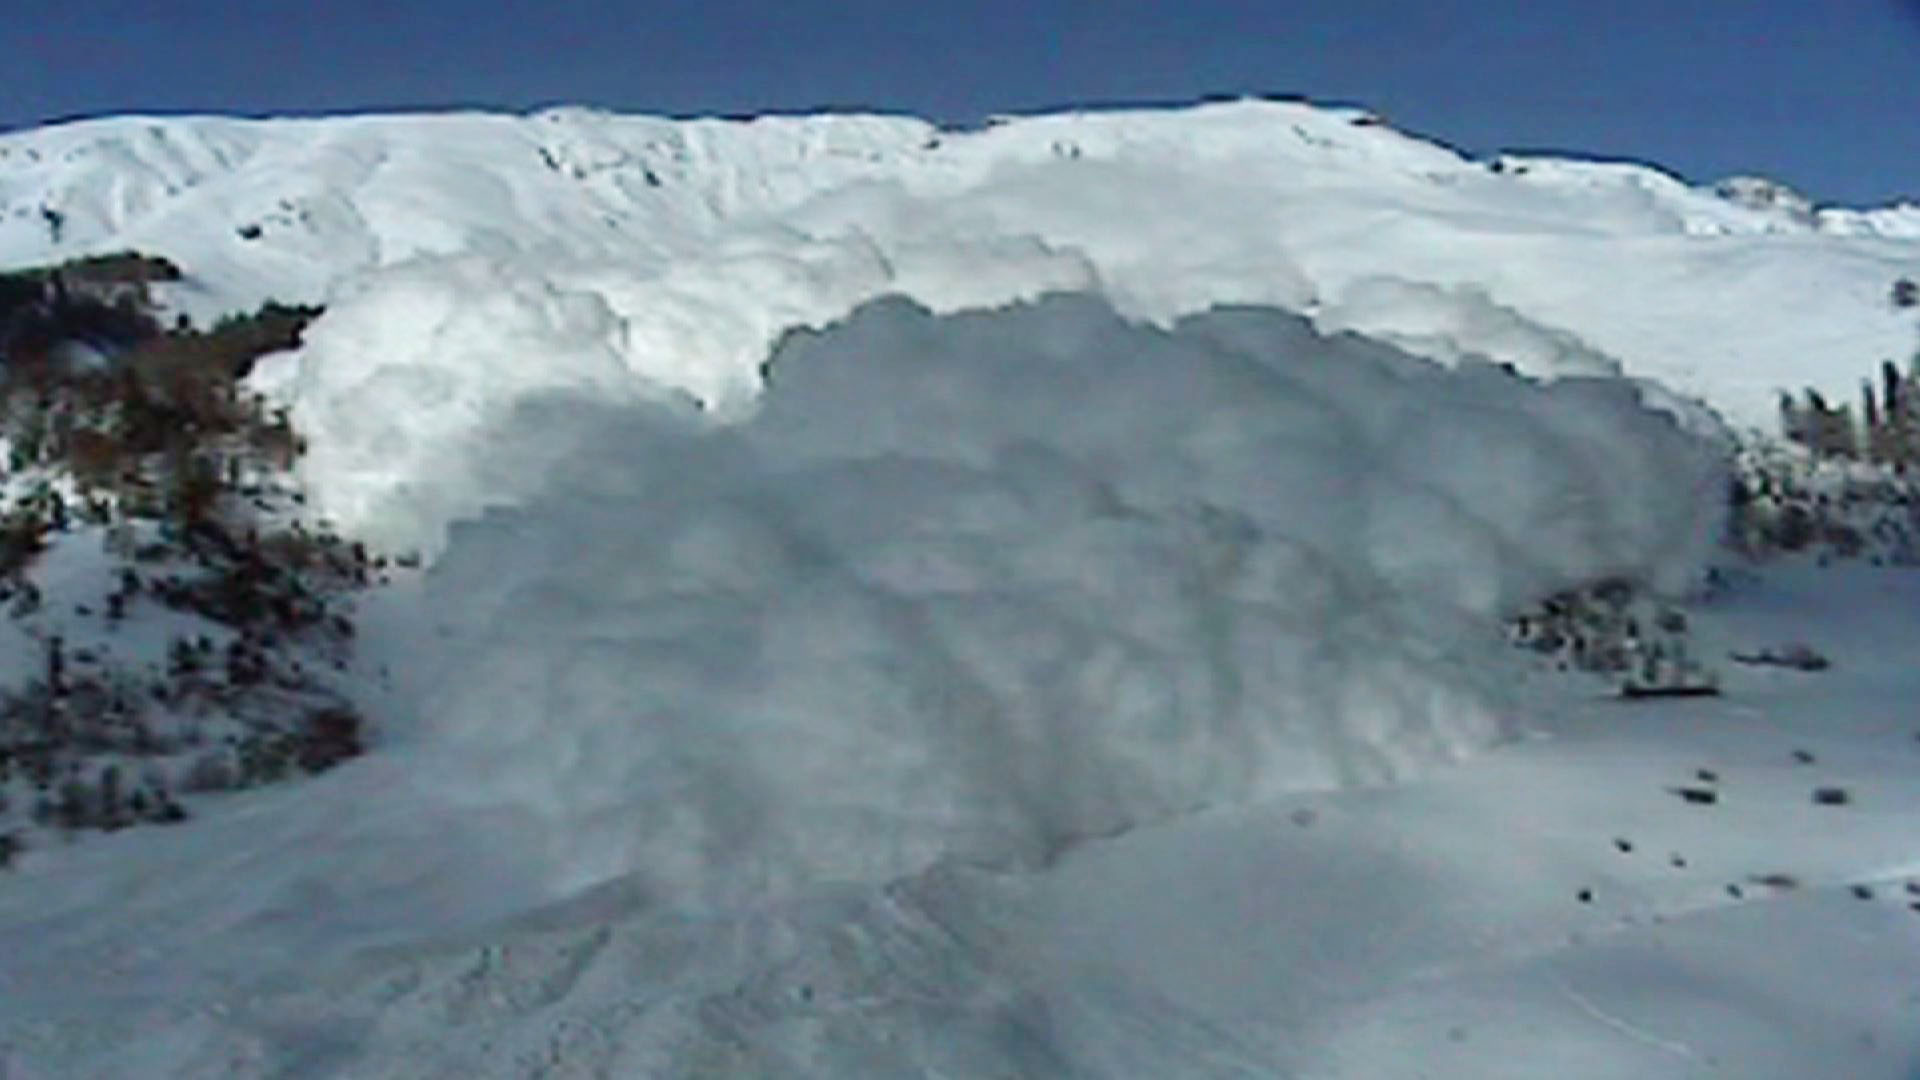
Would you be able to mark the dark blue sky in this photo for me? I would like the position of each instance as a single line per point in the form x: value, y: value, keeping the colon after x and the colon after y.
x: 1824, y: 94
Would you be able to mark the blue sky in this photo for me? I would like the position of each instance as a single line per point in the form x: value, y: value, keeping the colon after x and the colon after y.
x: 1824, y: 94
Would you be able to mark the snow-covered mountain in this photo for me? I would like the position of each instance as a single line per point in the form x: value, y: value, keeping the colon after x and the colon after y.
x: 643, y: 255
x: 840, y: 655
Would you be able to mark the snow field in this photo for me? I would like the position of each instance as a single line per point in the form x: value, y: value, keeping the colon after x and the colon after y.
x: 705, y: 240
x: 768, y: 622
x: 1477, y: 921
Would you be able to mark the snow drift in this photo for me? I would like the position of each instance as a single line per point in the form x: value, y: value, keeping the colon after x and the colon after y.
x: 985, y: 585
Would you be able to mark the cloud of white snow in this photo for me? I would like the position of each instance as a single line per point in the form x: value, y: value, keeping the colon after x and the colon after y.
x: 988, y: 584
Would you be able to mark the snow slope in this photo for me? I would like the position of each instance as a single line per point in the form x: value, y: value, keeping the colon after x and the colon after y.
x: 805, y: 684
x: 973, y: 590
x: 649, y: 256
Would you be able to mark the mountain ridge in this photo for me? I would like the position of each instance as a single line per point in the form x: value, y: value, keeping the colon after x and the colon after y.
x: 669, y: 256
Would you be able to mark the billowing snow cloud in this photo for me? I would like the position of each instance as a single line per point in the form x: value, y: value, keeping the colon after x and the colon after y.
x: 989, y: 584
x: 391, y: 395
x: 707, y: 239
x: 414, y: 364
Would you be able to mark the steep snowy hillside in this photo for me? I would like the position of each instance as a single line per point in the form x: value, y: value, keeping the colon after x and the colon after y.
x: 980, y: 589
x: 645, y: 255
x: 1090, y: 663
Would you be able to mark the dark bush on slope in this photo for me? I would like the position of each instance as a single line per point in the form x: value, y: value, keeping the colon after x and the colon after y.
x: 1788, y: 503
x: 42, y: 312
x: 1884, y: 431
x: 95, y: 275
x: 159, y: 401
x: 145, y: 437
x: 1845, y: 485
x: 1614, y: 630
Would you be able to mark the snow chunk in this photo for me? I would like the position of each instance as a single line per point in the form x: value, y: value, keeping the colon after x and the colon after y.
x: 418, y: 361
x: 985, y: 585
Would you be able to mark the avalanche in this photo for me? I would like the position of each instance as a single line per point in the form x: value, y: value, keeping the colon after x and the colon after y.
x: 688, y: 247
x: 991, y: 584
x: 1021, y: 602
x: 976, y: 588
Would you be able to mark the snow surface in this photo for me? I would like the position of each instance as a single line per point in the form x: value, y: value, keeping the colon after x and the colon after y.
x: 649, y: 256
x: 805, y: 684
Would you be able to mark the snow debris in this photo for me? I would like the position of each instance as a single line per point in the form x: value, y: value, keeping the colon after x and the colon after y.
x: 990, y: 584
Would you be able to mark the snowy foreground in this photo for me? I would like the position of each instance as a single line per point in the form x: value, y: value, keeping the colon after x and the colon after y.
x: 1103, y: 684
